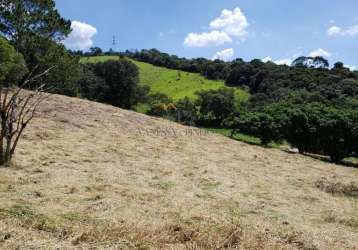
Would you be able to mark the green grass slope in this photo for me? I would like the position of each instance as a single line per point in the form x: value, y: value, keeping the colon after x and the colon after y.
x: 174, y: 83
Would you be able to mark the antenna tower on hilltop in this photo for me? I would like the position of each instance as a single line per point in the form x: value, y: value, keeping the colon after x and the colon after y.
x: 114, y: 44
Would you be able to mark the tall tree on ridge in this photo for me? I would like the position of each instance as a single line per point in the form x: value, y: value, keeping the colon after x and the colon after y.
x: 35, y: 29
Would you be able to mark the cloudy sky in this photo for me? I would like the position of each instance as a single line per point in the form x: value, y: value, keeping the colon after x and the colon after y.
x: 276, y: 30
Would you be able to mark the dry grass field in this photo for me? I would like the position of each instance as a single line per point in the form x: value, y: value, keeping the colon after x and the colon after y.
x: 91, y: 176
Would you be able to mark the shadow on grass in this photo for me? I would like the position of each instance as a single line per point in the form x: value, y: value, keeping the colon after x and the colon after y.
x: 349, y: 162
x: 251, y: 140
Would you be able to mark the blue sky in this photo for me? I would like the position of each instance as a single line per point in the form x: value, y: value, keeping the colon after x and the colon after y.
x: 276, y: 30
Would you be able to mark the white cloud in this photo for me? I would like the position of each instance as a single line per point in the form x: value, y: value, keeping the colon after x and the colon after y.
x: 224, y: 55
x: 233, y: 23
x: 352, y: 31
x: 336, y: 31
x: 319, y: 52
x: 351, y: 67
x: 214, y: 38
x: 285, y: 61
x: 288, y: 61
x: 266, y: 59
x: 81, y: 36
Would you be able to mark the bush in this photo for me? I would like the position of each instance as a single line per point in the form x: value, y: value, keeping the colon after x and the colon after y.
x: 160, y: 105
x: 158, y: 109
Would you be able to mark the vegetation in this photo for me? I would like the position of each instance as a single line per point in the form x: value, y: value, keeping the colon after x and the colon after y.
x: 89, y: 175
x: 236, y: 136
x: 307, y: 104
x: 313, y: 128
x: 286, y: 103
x: 17, y: 108
x: 210, y: 69
x: 173, y: 83
x: 113, y: 173
x: 119, y: 85
x: 31, y: 57
x: 12, y: 64
x: 35, y: 29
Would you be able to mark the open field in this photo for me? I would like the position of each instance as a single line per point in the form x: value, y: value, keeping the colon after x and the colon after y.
x: 91, y: 176
x: 173, y: 83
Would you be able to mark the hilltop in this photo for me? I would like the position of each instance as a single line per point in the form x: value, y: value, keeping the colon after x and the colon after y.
x: 176, y: 84
x: 92, y: 176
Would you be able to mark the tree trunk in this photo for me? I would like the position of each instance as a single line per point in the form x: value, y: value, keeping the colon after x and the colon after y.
x: 2, y: 138
x: 301, y: 150
x: 336, y: 158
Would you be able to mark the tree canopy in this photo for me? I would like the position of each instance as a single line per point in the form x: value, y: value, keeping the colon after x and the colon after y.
x: 12, y: 64
x: 35, y: 29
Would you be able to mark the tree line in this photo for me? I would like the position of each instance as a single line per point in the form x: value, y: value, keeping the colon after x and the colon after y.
x: 308, y: 105
x: 311, y: 127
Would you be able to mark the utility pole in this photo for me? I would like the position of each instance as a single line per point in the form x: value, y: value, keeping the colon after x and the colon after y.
x: 114, y: 44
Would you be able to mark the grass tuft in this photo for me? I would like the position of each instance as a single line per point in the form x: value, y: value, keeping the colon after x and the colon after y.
x: 338, y: 188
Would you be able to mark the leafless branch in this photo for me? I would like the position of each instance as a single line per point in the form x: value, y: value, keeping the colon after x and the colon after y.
x: 17, y: 108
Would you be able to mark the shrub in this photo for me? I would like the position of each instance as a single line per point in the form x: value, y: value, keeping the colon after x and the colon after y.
x: 160, y: 105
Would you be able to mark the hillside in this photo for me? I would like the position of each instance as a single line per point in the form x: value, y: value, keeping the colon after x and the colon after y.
x: 91, y: 176
x: 170, y: 82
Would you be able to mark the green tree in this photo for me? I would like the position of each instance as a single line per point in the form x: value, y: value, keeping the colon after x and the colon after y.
x: 338, y: 65
x: 216, y: 105
x: 121, y: 77
x: 95, y: 51
x: 336, y: 132
x: 240, y: 75
x: 17, y: 107
x: 35, y: 28
x: 26, y: 23
x: 12, y: 64
x: 91, y: 86
x: 66, y: 69
x: 317, y: 128
x: 186, y: 111
x: 261, y: 125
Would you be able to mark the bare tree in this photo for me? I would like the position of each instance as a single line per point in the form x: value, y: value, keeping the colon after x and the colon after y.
x: 17, y: 108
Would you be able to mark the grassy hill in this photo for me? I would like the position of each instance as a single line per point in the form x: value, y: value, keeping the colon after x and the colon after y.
x: 92, y: 176
x: 174, y: 83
